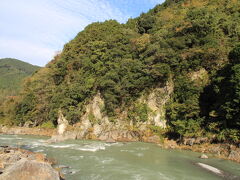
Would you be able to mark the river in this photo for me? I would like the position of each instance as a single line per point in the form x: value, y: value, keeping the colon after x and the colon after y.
x: 94, y: 160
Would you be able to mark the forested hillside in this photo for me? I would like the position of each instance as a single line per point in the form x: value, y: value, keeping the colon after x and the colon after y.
x: 13, y: 72
x: 193, y: 45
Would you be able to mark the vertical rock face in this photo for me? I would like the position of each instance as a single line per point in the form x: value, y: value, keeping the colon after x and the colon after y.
x: 93, y: 119
x: 156, y: 101
x: 94, y: 124
x: 62, y: 123
x: 200, y: 77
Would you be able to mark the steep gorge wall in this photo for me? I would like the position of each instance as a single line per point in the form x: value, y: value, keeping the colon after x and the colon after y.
x: 95, y: 124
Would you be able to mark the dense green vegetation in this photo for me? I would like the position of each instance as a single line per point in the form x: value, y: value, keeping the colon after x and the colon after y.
x: 13, y: 72
x: 194, y: 43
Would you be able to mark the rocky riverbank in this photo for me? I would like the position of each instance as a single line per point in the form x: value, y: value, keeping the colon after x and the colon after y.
x: 202, y: 145
x: 224, y: 151
x: 21, y: 164
x: 27, y: 131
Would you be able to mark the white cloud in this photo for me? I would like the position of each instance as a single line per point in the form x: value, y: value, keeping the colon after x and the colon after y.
x: 26, y: 51
x: 44, y: 26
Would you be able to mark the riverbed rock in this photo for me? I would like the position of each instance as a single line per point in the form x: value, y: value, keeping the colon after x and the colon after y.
x: 151, y: 139
x: 169, y: 144
x: 28, y: 124
x: 235, y: 155
x: 20, y: 164
x: 27, y: 131
x: 110, y: 140
x: 30, y: 170
x: 189, y: 141
x: 203, y: 156
x: 201, y: 140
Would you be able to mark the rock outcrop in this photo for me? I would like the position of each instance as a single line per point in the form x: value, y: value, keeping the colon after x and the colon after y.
x: 234, y: 154
x: 94, y: 124
x: 156, y: 101
x: 27, y: 131
x: 25, y: 169
x: 62, y: 123
x: 25, y: 165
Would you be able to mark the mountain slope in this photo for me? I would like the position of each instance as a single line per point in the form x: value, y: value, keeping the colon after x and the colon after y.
x: 154, y: 69
x: 12, y: 72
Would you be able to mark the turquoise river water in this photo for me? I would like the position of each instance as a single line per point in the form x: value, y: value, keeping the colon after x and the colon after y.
x: 94, y: 160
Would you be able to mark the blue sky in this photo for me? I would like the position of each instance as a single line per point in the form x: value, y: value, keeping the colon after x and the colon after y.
x: 34, y: 30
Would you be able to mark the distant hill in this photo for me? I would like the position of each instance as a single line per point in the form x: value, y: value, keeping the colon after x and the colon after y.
x: 12, y: 73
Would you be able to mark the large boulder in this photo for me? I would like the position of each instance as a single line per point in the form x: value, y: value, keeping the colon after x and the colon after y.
x: 235, y: 155
x: 203, y: 156
x: 30, y: 170
x: 189, y: 141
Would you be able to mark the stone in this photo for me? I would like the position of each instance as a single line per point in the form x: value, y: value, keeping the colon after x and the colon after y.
x: 170, y: 144
x: 97, y: 129
x: 189, y: 141
x: 153, y: 139
x: 14, y: 158
x: 103, y: 137
x: 30, y: 170
x: 110, y: 140
x: 114, y: 134
x: 235, y: 155
x: 201, y: 140
x: 62, y: 123
x: 156, y: 101
x: 28, y: 124
x: 203, y: 156
x: 215, y: 149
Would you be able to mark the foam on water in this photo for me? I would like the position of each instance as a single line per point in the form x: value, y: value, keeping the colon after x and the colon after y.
x: 143, y: 148
x: 163, y: 176
x: 108, y: 160
x: 62, y: 146
x: 5, y: 138
x: 90, y: 148
x: 76, y: 157
x: 140, y: 154
x: 137, y: 177
x: 125, y: 150
x: 40, y: 150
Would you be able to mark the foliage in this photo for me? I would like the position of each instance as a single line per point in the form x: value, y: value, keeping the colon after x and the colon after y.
x: 234, y: 55
x: 13, y: 72
x: 139, y: 113
x: 174, y: 41
x: 221, y: 99
x: 47, y: 125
